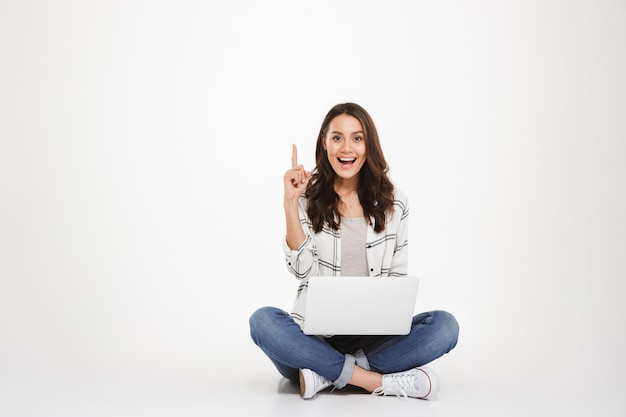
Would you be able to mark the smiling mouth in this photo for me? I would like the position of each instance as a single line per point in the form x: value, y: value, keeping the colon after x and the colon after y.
x: 346, y: 161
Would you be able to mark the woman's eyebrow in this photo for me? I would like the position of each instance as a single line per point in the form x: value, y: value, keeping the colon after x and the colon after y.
x: 358, y: 132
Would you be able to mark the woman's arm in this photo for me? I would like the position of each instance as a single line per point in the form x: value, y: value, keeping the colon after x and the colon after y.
x: 400, y: 261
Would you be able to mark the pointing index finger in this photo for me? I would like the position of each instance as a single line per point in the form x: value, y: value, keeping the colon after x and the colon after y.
x: 294, y: 156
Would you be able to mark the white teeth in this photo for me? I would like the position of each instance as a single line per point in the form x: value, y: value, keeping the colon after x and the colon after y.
x: 347, y: 159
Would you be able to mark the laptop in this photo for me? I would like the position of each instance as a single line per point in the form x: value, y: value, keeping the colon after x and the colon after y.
x: 360, y: 305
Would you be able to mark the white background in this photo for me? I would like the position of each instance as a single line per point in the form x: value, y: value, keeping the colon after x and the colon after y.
x: 142, y: 148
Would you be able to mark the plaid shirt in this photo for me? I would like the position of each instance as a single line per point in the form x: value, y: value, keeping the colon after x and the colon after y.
x: 320, y: 253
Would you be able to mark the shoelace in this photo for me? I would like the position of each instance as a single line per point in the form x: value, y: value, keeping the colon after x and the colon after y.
x: 398, y: 387
x: 401, y: 394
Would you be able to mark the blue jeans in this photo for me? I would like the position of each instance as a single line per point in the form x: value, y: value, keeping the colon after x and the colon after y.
x: 432, y: 335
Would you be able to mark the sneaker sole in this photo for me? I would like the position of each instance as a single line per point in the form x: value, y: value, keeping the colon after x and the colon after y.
x: 303, y: 385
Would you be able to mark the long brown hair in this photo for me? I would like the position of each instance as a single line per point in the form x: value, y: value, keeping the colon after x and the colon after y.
x: 374, y: 188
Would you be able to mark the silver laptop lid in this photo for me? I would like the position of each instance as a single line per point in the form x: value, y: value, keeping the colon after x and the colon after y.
x: 360, y: 305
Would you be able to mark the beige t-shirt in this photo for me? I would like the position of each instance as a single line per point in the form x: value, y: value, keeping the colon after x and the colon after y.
x: 353, y: 257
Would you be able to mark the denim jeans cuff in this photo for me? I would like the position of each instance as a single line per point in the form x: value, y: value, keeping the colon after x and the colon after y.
x: 346, y: 372
x: 361, y: 360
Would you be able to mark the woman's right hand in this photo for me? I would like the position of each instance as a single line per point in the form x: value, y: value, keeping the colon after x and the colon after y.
x: 296, y: 178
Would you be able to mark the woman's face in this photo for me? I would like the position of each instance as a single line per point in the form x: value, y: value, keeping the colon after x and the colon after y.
x: 345, y: 145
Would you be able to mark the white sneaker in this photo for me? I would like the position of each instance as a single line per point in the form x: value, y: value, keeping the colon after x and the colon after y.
x: 312, y: 383
x: 419, y: 383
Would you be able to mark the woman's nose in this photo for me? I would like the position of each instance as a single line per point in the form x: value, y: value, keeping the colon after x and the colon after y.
x: 346, y: 145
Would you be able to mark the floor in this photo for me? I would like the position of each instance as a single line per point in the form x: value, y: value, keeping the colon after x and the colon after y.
x: 144, y: 388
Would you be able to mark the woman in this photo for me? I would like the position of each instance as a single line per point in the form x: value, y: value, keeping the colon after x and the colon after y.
x: 346, y: 218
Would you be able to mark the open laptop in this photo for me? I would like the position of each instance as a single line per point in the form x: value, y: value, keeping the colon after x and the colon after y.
x: 360, y: 305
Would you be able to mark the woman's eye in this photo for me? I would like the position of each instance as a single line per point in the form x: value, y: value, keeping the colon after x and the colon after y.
x: 337, y: 138
x: 358, y: 138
